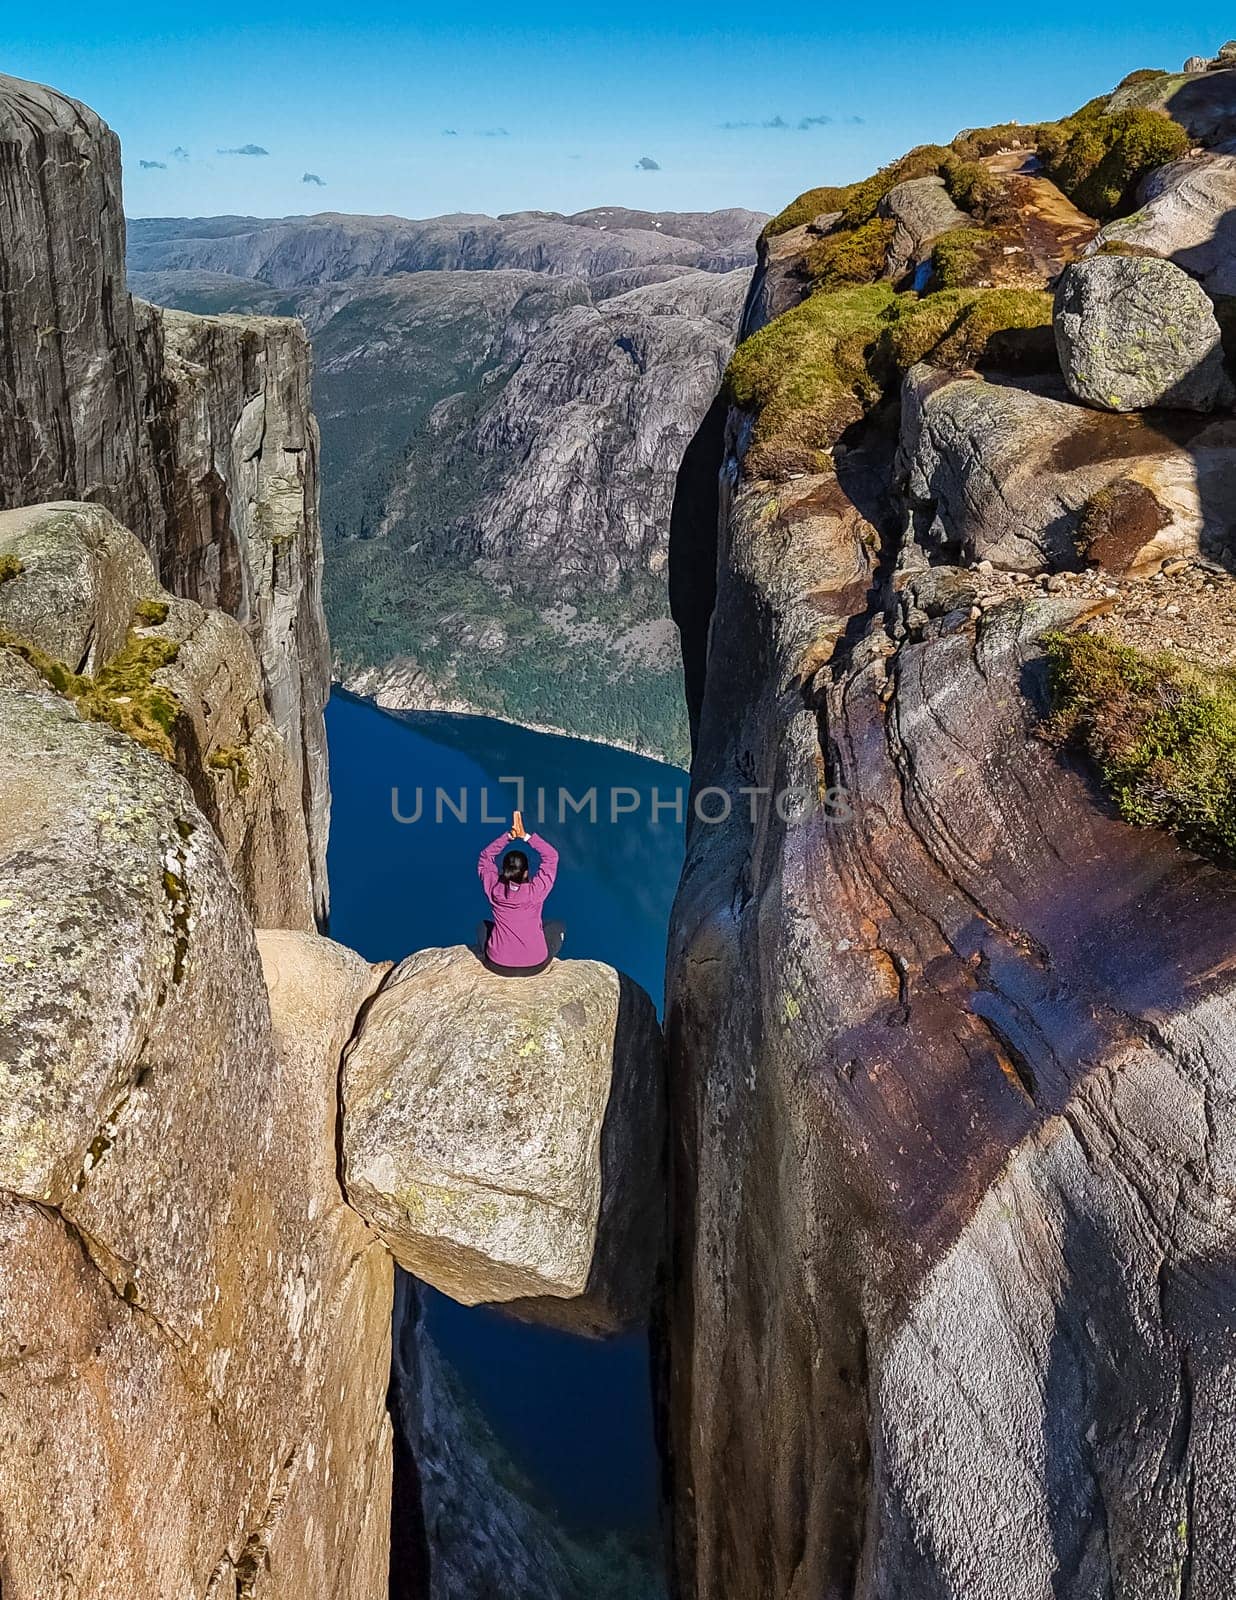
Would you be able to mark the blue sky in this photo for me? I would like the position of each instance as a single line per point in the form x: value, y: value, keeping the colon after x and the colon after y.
x: 557, y: 107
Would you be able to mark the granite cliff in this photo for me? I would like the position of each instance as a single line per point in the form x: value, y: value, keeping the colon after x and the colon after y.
x: 195, y: 433
x: 504, y: 404
x: 952, y: 1021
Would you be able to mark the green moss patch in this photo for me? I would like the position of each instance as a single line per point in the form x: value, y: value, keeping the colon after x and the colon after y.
x: 807, y: 376
x: 229, y: 759
x: 151, y: 612
x: 1099, y: 157
x: 123, y: 694
x: 997, y: 328
x: 815, y: 203
x: 822, y: 366
x: 1160, y: 732
x: 10, y: 567
x: 854, y: 255
x: 965, y: 258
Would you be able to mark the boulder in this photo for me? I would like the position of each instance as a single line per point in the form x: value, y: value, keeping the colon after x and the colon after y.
x: 999, y: 473
x: 83, y: 591
x: 1188, y: 215
x: 504, y: 1135
x: 922, y: 211
x: 81, y: 576
x: 1134, y: 332
x: 194, y: 1327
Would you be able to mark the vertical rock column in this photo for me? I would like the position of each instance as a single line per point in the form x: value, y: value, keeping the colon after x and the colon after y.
x: 195, y: 432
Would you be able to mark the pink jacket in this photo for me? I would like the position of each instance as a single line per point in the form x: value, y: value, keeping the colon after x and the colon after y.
x: 518, y: 939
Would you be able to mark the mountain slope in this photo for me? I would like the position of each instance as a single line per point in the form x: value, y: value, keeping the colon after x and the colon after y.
x: 504, y: 404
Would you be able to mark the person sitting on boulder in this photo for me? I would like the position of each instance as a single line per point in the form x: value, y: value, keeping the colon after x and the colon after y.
x: 515, y: 943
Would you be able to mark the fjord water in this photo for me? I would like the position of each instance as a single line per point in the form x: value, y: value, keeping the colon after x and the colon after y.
x: 574, y: 1414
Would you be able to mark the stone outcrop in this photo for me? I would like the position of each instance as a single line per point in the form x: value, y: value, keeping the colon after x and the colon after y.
x: 194, y: 1327
x: 85, y: 595
x: 950, y: 1044
x: 504, y: 1135
x: 1188, y: 215
x: 922, y: 211
x: 994, y: 472
x: 1134, y: 332
x: 196, y: 435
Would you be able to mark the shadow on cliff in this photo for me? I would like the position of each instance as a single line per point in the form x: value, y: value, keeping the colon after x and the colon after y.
x: 617, y: 1295
x: 693, y: 534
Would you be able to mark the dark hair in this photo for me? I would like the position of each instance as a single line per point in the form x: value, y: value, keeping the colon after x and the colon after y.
x: 515, y: 867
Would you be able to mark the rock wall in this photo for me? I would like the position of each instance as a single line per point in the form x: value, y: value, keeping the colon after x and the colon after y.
x: 952, y: 1044
x: 197, y: 435
x: 194, y: 1326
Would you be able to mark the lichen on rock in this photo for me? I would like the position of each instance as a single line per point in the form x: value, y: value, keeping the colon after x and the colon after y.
x: 504, y: 1135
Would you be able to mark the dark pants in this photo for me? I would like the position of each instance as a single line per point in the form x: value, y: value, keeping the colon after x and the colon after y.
x: 555, y: 932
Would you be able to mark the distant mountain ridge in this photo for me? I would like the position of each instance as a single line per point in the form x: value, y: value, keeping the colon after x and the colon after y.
x: 293, y: 252
x: 504, y: 404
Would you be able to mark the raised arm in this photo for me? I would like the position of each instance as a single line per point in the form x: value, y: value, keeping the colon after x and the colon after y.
x: 548, y: 869
x: 487, y: 866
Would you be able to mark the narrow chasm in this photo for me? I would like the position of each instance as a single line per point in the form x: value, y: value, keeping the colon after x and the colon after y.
x: 526, y: 1460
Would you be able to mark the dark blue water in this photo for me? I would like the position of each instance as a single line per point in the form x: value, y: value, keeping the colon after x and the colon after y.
x: 573, y: 1413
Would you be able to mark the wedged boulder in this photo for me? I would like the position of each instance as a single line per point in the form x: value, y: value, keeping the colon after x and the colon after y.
x: 504, y: 1135
x: 83, y: 591
x: 1188, y: 215
x: 1134, y: 332
x: 922, y: 211
x: 1031, y: 481
x: 194, y: 1326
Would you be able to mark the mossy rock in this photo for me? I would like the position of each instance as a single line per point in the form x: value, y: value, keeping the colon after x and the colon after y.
x: 824, y: 365
x: 1160, y: 732
x: 1002, y: 329
x: 967, y: 258
x: 806, y: 376
x: 10, y: 566
x: 1099, y: 157
x: 851, y: 256
x: 122, y: 694
x: 808, y: 206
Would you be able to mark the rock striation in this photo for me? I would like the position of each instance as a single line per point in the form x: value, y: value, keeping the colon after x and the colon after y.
x: 196, y: 435
x: 504, y: 1136
x: 952, y: 1024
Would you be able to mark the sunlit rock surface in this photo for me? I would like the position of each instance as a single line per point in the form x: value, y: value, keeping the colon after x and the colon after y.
x: 194, y: 1327
x: 1134, y: 332
x: 503, y: 1135
x: 83, y: 593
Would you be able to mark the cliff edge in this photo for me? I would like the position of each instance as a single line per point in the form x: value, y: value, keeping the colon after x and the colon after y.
x: 952, y: 1021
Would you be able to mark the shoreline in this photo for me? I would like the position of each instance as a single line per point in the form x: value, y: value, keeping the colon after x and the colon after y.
x: 460, y: 708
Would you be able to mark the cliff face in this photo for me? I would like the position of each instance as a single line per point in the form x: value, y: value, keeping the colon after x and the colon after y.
x: 195, y: 1325
x: 196, y: 435
x: 953, y: 1041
